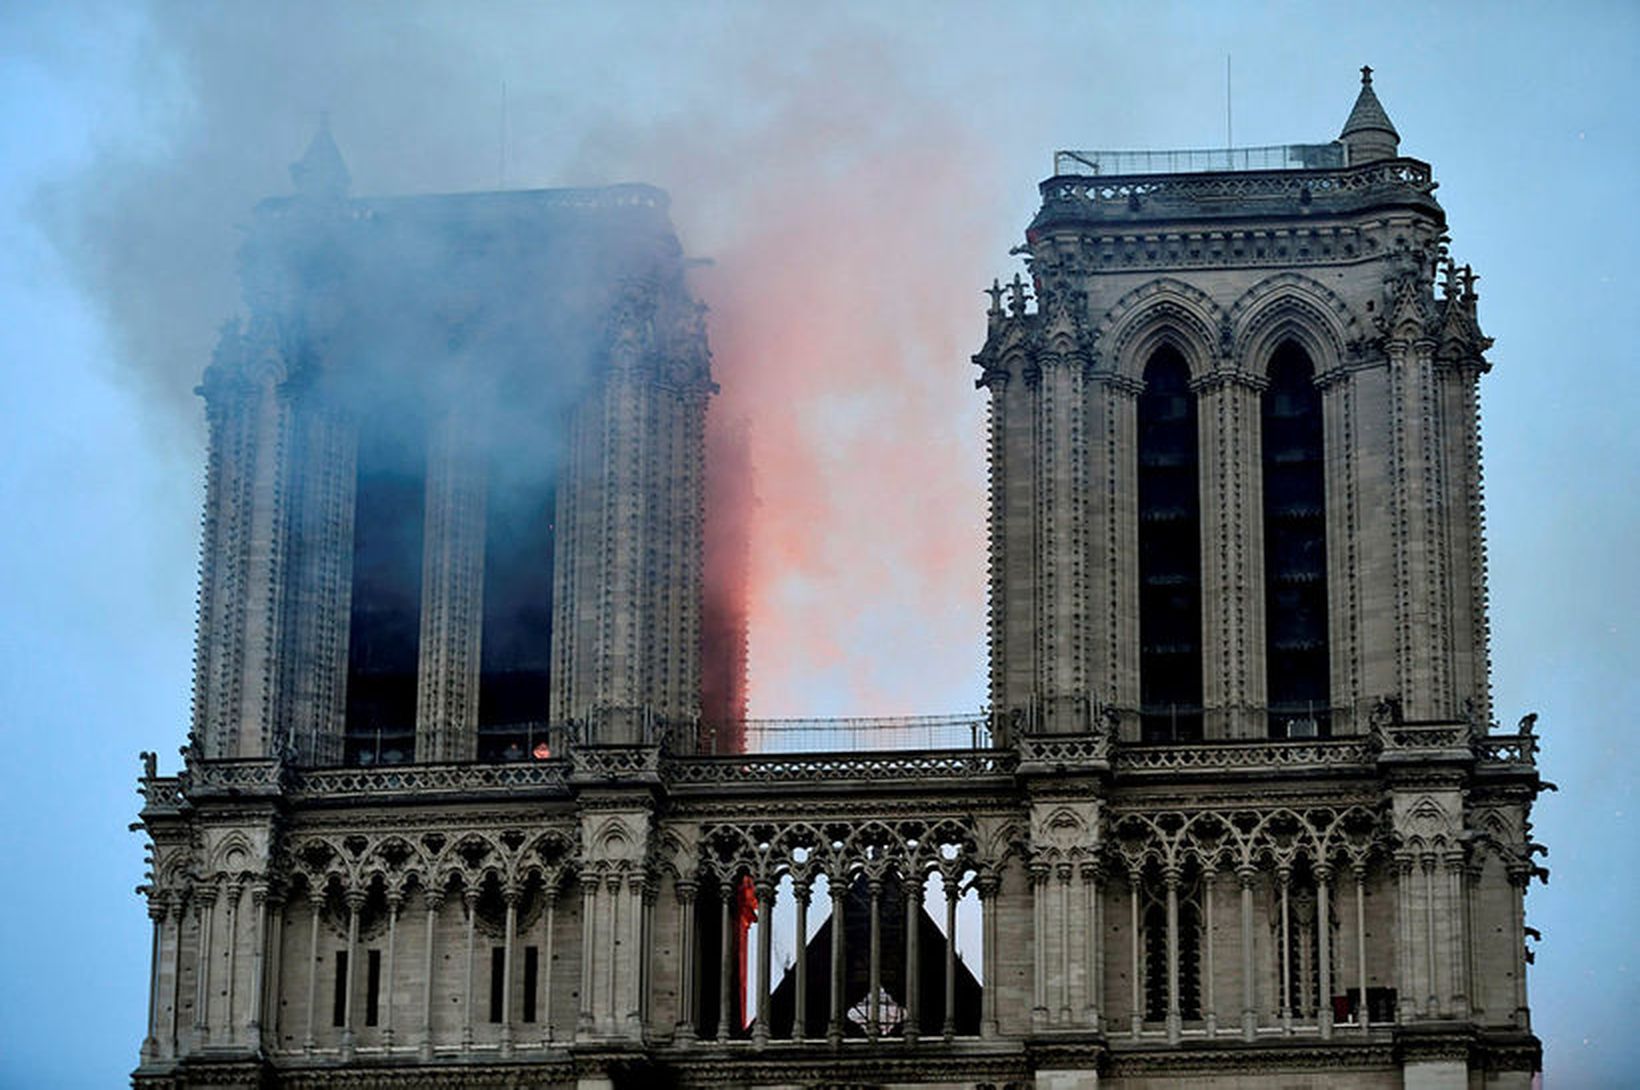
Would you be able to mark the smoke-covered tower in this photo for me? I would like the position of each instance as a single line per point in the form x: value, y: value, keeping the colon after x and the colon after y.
x: 455, y: 488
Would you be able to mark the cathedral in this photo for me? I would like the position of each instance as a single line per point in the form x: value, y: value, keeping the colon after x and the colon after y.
x: 470, y: 797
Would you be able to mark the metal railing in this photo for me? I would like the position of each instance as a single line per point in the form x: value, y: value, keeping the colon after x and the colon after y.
x: 869, y: 735
x: 1201, y: 160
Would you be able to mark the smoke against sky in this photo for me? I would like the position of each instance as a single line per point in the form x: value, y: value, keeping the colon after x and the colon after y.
x: 839, y: 211
x: 856, y: 176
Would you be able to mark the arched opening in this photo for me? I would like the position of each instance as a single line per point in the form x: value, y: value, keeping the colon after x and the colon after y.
x: 384, y: 629
x: 1295, y: 550
x: 1170, y: 609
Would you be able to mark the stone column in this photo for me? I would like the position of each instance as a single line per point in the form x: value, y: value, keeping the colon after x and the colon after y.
x: 1228, y: 415
x: 510, y: 897
x: 204, y: 914
x: 452, y: 593
x: 765, y: 936
x: 726, y: 958
x: 355, y: 901
x: 1323, y: 923
x: 229, y: 1027
x: 912, y: 890
x: 1211, y: 1013
x: 1246, y: 875
x: 1061, y: 542
x: 685, y: 1029
x: 1519, y: 878
x: 549, y: 927
x: 157, y: 910
x: 800, y: 981
x: 590, y: 884
x: 316, y: 905
x: 1113, y: 516
x: 1432, y: 1006
x: 1359, y: 869
x: 395, y: 903
x: 1284, y: 963
x: 1094, y: 973
x: 1420, y: 538
x: 989, y: 885
x: 1175, y: 1021
x: 245, y: 551
x: 615, y: 887
x: 1457, y: 934
x: 874, y: 960
x: 837, y: 883
x: 469, y: 904
x: 433, y: 899
x: 637, y: 930
x: 1039, y: 945
x: 1063, y: 962
x: 1406, y: 985
x: 950, y: 1028
x: 273, y: 978
x: 178, y: 909
x: 1136, y: 1014
x: 253, y: 1018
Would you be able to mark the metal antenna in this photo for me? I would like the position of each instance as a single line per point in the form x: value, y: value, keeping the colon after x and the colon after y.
x: 1229, y: 141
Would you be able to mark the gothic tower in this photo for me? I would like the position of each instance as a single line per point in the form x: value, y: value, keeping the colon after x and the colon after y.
x: 1235, y: 455
x: 455, y: 483
x: 1235, y: 495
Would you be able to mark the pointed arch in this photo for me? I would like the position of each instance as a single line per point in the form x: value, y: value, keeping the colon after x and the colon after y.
x: 1162, y: 312
x: 1292, y: 307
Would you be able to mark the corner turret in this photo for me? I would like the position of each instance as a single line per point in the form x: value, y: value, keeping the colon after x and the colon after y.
x: 320, y: 172
x: 1368, y: 133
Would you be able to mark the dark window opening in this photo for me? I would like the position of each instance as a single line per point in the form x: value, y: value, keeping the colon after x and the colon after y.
x: 1155, y: 966
x: 338, y: 1005
x: 1295, y: 550
x: 385, y: 626
x: 1170, y: 618
x: 498, y: 980
x: 516, y: 646
x: 532, y: 971
x: 373, y: 988
x: 1380, y: 1006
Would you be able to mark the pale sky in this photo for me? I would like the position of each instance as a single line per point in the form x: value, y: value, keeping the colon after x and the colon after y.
x: 857, y: 176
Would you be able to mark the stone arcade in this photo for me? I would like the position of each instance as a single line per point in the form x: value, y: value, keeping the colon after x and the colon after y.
x: 453, y: 813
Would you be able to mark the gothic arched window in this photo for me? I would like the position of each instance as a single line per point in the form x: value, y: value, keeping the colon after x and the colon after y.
x: 1170, y: 607
x: 1295, y: 550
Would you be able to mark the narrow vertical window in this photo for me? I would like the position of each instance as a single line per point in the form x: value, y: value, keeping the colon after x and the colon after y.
x: 532, y: 973
x: 1170, y: 613
x: 373, y: 988
x: 338, y: 1004
x: 498, y: 980
x: 516, y: 647
x: 384, y: 632
x: 1295, y: 550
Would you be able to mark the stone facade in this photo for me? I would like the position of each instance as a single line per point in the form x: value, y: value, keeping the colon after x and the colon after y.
x: 1329, y: 896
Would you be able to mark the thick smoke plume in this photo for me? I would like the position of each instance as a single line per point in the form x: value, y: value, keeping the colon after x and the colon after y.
x: 833, y: 195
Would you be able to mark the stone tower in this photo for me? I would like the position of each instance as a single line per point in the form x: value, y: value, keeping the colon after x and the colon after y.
x: 1235, y: 496
x: 455, y: 482
x: 1237, y: 814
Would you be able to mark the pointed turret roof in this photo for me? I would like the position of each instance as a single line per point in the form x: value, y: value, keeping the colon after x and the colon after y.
x: 320, y: 172
x: 1369, y: 131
